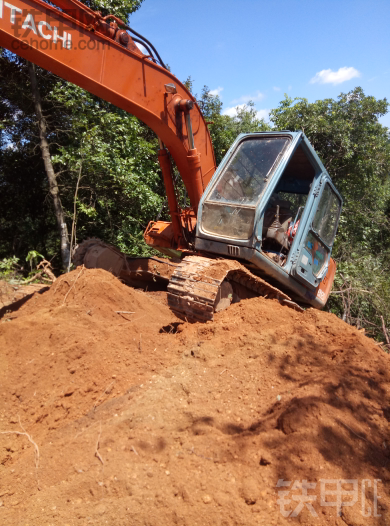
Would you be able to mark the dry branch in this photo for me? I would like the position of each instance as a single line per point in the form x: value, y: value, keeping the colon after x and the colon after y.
x: 33, y: 278
x: 385, y: 331
x: 46, y: 266
x: 101, y: 396
x: 36, y: 448
x: 74, y: 283
x: 73, y: 233
x: 97, y: 454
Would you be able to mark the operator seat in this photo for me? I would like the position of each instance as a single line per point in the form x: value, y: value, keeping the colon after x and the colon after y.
x: 285, y: 213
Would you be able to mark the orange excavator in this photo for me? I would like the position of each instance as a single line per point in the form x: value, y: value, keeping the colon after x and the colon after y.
x: 263, y: 223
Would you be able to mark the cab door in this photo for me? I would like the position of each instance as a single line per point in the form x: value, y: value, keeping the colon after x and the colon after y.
x: 316, y: 242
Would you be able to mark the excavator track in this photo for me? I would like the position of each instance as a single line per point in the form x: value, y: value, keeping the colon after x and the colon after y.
x: 200, y: 286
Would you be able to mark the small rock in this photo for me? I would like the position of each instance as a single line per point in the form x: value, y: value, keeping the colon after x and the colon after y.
x: 149, y: 474
x: 206, y: 499
x: 100, y: 509
x: 167, y: 472
x: 1, y: 503
x: 249, y: 491
x: 264, y: 462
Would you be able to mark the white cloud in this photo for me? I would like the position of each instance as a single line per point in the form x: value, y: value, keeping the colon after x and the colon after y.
x: 246, y: 98
x: 142, y: 48
x: 275, y: 88
x: 263, y: 114
x: 327, y: 76
x: 232, y: 111
x: 216, y: 92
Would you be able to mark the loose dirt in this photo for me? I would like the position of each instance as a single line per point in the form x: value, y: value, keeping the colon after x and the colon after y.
x: 141, y: 419
x: 15, y: 295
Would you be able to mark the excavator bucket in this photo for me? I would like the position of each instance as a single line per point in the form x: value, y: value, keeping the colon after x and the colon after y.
x: 151, y: 272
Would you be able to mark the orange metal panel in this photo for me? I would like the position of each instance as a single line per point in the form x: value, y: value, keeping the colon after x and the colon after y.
x: 325, y: 286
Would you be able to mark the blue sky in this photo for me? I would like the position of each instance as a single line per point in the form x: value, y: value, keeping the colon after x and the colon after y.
x: 259, y: 50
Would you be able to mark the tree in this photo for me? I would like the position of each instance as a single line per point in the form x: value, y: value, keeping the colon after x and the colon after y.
x: 26, y: 217
x: 18, y: 147
x: 120, y: 8
x: 51, y: 176
x: 117, y: 168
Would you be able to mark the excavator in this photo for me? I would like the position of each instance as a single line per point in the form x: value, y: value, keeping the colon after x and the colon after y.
x: 262, y: 223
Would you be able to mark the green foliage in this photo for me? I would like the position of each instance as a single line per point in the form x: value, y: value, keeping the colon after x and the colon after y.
x: 8, y: 266
x: 26, y: 218
x: 33, y: 257
x: 120, y: 8
x: 120, y: 187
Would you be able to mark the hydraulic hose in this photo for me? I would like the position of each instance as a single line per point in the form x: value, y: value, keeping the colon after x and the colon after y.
x: 149, y: 44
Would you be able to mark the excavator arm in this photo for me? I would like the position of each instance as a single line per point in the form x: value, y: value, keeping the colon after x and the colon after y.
x: 98, y: 54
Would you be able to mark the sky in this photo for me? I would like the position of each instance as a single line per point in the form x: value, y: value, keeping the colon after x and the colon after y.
x: 261, y: 49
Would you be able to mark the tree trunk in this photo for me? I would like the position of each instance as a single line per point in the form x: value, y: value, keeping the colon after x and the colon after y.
x: 51, y: 176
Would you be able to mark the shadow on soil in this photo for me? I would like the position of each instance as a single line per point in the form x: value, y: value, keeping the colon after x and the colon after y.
x: 334, y: 412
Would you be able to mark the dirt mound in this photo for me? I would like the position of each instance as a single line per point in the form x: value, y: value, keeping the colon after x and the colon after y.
x: 14, y: 294
x: 87, y: 337
x: 141, y: 419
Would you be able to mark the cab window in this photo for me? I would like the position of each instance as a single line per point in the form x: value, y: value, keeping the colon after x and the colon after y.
x: 327, y: 215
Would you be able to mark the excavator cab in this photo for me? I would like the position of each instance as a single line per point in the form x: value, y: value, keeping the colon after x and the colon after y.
x: 271, y: 204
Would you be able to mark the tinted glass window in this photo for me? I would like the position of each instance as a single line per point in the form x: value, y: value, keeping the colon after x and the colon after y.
x: 327, y: 215
x: 247, y: 173
x: 234, y: 222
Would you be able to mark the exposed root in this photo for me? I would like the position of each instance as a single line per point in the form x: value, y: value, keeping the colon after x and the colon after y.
x: 97, y: 454
x: 102, y: 395
x: 73, y: 284
x: 36, y: 448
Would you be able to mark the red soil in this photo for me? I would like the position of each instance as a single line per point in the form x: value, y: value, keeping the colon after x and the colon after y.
x: 11, y: 294
x: 141, y: 419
